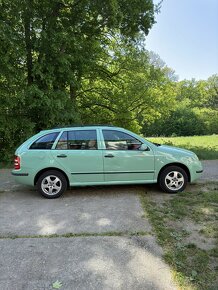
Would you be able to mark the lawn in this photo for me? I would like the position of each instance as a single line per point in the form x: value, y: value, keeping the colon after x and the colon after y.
x: 186, y: 226
x: 206, y: 147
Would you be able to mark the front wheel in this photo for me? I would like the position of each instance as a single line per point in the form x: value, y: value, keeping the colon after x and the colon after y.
x: 173, y: 179
x: 52, y: 184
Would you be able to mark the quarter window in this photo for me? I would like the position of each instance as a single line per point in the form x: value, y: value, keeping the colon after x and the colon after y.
x: 78, y: 140
x: 116, y: 140
x: 45, y: 142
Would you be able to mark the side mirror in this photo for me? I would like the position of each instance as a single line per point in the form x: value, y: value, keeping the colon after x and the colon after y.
x: 144, y: 147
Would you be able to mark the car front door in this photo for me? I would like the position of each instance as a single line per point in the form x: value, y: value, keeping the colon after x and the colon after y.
x: 77, y: 152
x: 124, y: 161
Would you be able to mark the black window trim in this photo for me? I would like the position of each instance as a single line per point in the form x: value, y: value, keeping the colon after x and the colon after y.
x: 137, y: 150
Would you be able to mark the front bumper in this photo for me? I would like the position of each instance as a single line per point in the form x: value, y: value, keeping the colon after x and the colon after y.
x: 199, y: 171
x: 196, y: 171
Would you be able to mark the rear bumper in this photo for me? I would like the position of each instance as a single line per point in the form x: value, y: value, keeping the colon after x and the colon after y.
x: 23, y: 177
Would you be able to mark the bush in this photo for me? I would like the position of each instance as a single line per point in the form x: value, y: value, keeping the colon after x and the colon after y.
x: 181, y: 122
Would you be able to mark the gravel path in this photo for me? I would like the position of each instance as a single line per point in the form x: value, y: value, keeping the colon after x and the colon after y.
x: 210, y: 172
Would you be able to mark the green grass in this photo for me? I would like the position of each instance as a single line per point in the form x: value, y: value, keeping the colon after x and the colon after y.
x: 206, y: 147
x: 78, y: 235
x: 181, y: 223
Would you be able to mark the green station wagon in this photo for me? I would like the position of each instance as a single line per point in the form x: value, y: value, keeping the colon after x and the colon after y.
x: 56, y: 159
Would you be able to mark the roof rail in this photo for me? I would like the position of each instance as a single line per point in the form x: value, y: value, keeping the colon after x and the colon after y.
x: 80, y: 125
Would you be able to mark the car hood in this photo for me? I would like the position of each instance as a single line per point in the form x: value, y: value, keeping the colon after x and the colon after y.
x: 175, y: 150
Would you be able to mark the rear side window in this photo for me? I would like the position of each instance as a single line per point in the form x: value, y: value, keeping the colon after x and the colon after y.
x: 45, y: 142
x: 78, y: 140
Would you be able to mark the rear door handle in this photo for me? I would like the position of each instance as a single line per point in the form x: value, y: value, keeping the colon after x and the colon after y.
x: 62, y: 156
x: 109, y: 156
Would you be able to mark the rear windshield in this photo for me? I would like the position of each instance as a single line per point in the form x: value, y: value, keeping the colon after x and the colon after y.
x: 45, y: 142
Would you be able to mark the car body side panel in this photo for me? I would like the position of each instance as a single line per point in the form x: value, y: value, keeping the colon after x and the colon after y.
x: 128, y: 165
x: 163, y: 158
x: 81, y: 165
x: 92, y: 162
x: 33, y: 161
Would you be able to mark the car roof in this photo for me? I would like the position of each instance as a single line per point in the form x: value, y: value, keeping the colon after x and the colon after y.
x: 61, y: 128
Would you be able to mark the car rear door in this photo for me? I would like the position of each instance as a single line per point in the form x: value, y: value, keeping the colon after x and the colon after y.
x: 77, y: 151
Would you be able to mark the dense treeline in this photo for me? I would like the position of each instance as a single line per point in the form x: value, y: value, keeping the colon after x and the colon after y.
x: 81, y: 62
x: 195, y: 111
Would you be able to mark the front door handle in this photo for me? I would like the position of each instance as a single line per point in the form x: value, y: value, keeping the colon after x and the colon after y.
x: 62, y: 156
x: 109, y: 156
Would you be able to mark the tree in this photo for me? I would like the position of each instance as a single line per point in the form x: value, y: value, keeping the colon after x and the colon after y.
x: 133, y: 93
x: 212, y: 87
x: 48, y: 49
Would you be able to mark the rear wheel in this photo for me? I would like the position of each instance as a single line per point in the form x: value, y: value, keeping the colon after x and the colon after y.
x: 51, y: 184
x: 173, y: 179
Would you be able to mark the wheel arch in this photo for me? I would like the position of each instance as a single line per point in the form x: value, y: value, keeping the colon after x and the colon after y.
x: 183, y: 166
x: 51, y: 168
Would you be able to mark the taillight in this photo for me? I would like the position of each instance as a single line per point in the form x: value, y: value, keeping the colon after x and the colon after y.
x: 16, y: 162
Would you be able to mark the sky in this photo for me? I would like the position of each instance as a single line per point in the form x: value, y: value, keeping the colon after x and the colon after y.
x: 186, y: 37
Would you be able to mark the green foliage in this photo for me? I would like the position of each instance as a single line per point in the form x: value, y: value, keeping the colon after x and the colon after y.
x: 49, y: 49
x: 130, y: 93
x: 181, y: 122
x: 80, y: 62
x: 193, y: 113
x: 57, y: 285
x: 209, y: 117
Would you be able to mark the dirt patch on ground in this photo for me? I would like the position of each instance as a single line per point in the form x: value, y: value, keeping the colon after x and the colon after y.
x: 201, y: 233
x: 194, y: 234
x: 160, y: 197
x: 202, y: 187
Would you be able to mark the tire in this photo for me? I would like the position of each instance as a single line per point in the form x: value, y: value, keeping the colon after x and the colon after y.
x: 51, y: 184
x: 173, y: 179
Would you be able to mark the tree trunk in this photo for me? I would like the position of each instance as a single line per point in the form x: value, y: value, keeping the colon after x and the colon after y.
x: 73, y: 92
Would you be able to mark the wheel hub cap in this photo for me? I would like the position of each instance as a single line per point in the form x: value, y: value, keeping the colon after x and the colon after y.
x: 51, y: 185
x: 174, y: 180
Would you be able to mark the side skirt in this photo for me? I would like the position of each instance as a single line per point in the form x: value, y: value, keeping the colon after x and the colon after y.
x: 113, y: 183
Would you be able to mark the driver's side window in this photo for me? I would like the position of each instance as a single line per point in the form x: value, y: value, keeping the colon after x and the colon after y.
x: 117, y: 140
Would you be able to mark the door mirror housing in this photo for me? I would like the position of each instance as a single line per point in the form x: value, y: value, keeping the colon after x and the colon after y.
x: 144, y: 147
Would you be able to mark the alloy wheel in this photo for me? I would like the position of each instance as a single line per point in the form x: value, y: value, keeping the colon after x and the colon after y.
x: 51, y: 185
x: 174, y: 180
